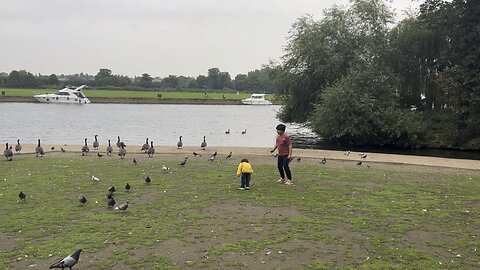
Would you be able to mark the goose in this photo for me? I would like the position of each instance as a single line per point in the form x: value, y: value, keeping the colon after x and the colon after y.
x: 228, y: 131
x: 203, y: 144
x: 244, y: 131
x: 145, y: 146
x: 151, y: 150
x: 122, y: 152
x: 8, y: 153
x: 39, y: 149
x: 109, y: 148
x: 179, y: 143
x: 119, y: 143
x: 127, y: 187
x: 95, y: 143
x: 85, y: 148
x: 18, y: 147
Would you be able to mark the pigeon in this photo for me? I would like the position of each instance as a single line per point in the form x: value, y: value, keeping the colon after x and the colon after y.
x: 82, y: 199
x: 229, y: 156
x: 63, y: 150
x: 99, y: 155
x: 134, y: 161
x: 127, y: 187
x: 22, y: 196
x: 347, y: 153
x: 94, y: 178
x: 67, y: 262
x: 183, y: 162
x: 214, y: 154
x: 299, y: 159
x: 165, y: 168
x: 111, y: 202
x: 228, y: 131
x: 323, y: 161
x: 290, y: 159
x: 148, y: 180
x: 122, y: 207
x: 109, y: 196
x: 212, y: 158
x: 196, y: 154
x: 364, y: 156
x: 359, y: 163
x: 111, y: 189
x: 244, y: 131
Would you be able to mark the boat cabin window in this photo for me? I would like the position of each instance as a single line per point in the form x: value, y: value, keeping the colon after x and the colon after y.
x: 63, y: 93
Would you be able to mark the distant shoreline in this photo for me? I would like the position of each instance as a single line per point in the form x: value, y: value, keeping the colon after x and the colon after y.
x: 12, y: 99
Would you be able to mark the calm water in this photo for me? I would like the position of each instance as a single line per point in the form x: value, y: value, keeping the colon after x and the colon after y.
x: 162, y: 123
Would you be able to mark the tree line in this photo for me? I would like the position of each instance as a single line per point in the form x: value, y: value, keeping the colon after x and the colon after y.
x: 257, y: 80
x: 358, y: 79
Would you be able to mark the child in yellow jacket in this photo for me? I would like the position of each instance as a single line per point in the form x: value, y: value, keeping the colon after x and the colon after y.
x: 244, y: 171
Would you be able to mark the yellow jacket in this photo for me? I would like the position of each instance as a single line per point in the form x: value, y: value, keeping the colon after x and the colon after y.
x: 244, y: 167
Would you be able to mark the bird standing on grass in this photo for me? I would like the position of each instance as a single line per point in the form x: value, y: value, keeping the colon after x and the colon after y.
x: 183, y: 162
x: 67, y: 262
x: 151, y: 150
x: 94, y: 178
x: 135, y: 161
x: 122, y: 207
x: 122, y: 152
x: 323, y: 161
x: 196, y: 154
x: 127, y: 187
x: 148, y: 179
x: 8, y: 153
x: 22, y: 196
x: 229, y: 155
x: 99, y: 155
x: 82, y: 199
x: 111, y: 202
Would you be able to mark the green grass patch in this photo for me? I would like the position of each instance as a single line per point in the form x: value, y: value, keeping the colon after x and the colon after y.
x: 195, y: 217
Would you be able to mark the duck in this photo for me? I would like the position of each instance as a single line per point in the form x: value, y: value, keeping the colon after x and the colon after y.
x: 203, y: 144
x: 95, y: 143
x: 179, y: 143
x: 85, y: 148
x: 109, y: 148
x: 39, y: 149
x: 145, y: 146
x: 8, y: 153
x: 151, y: 150
x: 18, y: 147
x: 244, y: 131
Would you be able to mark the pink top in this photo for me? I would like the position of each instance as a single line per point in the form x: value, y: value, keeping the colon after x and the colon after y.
x: 283, y: 142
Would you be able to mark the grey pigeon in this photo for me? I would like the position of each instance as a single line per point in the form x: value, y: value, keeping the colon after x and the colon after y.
x: 67, y: 262
x: 99, y: 155
x: 122, y: 207
x: 111, y: 202
x: 183, y: 162
x: 148, y: 180
x: 229, y: 155
x: 111, y: 189
x: 22, y: 196
x: 135, y: 161
x: 196, y: 154
x: 359, y: 163
x: 127, y: 187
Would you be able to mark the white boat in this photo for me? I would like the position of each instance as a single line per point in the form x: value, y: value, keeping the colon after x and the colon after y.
x: 66, y: 95
x: 256, y: 99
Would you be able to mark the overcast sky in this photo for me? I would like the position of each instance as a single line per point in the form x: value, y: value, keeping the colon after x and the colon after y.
x: 132, y: 37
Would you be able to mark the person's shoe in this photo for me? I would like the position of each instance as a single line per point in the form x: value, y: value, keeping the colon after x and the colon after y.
x: 289, y: 183
x: 247, y: 188
x: 281, y: 181
x: 241, y: 188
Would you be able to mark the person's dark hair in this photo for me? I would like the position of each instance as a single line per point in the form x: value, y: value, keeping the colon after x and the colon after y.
x: 281, y: 127
x: 244, y: 160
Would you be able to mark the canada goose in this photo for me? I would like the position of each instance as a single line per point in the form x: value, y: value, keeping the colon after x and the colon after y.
x: 119, y: 143
x: 244, y: 131
x: 8, y: 153
x: 95, y: 143
x: 145, y: 146
x: 228, y: 131
x: 203, y: 144
x: 179, y: 143
x: 109, y: 148
x: 122, y: 152
x: 85, y: 148
x: 151, y: 150
x: 39, y: 149
x: 18, y: 147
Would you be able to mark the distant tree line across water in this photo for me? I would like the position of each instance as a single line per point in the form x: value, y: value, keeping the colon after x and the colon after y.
x: 257, y: 80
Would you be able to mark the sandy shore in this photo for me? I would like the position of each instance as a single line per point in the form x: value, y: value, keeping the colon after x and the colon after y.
x: 304, y: 153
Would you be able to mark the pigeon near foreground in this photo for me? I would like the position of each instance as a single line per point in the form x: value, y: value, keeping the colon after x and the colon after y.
x: 148, y: 180
x: 82, y: 199
x: 67, y: 262
x: 22, y: 196
x: 122, y: 207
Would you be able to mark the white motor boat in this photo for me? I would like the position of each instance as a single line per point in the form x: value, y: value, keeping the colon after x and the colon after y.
x: 66, y: 95
x: 256, y: 99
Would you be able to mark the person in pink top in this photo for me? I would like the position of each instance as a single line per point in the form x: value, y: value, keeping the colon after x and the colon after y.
x: 284, y: 146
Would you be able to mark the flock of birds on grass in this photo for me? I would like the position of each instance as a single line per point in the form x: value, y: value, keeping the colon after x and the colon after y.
x: 148, y: 148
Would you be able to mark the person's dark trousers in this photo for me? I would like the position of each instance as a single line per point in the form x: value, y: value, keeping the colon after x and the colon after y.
x: 283, y: 167
x: 245, y: 180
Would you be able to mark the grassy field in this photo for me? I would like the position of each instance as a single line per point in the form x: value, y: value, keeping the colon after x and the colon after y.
x: 132, y: 94
x: 338, y: 216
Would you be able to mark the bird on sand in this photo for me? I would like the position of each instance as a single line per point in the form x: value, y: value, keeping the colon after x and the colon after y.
x: 359, y: 163
x: 229, y: 155
x: 99, y: 155
x: 18, y: 147
x: 22, y: 196
x: 39, y: 149
x: 8, y: 153
x: 122, y: 207
x: 63, y: 150
x: 109, y: 148
x: 203, y: 144
x: 67, y: 262
x: 82, y: 199
x: 323, y: 161
x: 214, y: 154
x: 145, y: 146
x: 96, y: 143
x: 196, y: 154
x: 52, y: 148
x: 122, y: 152
x: 151, y: 150
x: 85, y: 148
x: 179, y: 143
